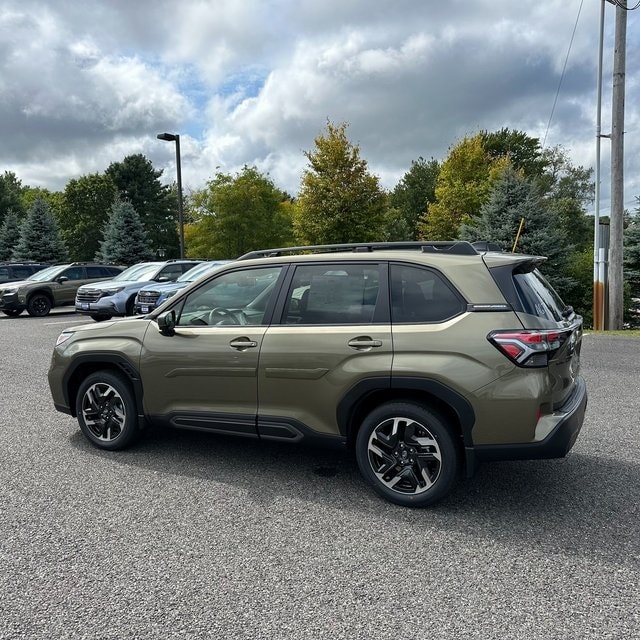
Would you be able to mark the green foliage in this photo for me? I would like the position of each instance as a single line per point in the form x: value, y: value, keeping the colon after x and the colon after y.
x: 513, y: 198
x: 339, y: 200
x: 463, y: 186
x: 413, y: 195
x: 86, y: 204
x: 125, y: 238
x: 567, y: 190
x: 236, y: 214
x: 156, y: 204
x: 579, y: 292
x: 524, y: 152
x: 9, y: 234
x: 39, y: 237
x: 11, y: 195
x: 632, y: 256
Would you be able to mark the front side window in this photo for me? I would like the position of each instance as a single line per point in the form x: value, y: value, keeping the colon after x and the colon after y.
x: 234, y: 298
x: 421, y: 295
x: 333, y: 294
x: 74, y: 273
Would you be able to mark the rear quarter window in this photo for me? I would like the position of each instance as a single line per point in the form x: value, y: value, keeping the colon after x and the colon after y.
x: 537, y: 296
x: 422, y: 295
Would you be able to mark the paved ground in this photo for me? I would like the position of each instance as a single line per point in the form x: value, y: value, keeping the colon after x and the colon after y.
x: 195, y: 536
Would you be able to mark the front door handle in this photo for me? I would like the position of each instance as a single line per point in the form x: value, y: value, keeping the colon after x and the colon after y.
x: 364, y: 343
x: 242, y: 343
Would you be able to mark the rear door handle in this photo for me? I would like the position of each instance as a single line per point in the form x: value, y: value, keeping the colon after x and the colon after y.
x: 364, y: 343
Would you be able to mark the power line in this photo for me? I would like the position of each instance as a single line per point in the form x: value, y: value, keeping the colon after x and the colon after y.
x: 620, y: 4
x: 564, y: 68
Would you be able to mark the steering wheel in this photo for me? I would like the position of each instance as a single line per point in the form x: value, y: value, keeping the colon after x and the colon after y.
x: 220, y: 315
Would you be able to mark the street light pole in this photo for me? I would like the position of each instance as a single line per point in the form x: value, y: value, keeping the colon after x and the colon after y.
x: 174, y: 137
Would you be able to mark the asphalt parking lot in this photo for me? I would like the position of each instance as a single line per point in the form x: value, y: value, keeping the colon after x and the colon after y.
x: 195, y: 536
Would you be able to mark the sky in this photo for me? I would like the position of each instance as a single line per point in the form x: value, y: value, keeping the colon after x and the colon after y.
x: 85, y: 83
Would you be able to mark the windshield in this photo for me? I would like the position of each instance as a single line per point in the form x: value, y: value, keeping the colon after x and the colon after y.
x: 47, y: 274
x: 139, y: 272
x: 199, y: 270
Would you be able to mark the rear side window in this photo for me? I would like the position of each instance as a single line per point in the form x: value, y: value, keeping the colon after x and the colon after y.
x: 98, y: 272
x: 538, y: 297
x: 422, y: 295
x: 333, y: 294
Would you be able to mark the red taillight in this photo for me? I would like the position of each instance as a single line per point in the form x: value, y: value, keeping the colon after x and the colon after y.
x: 528, y: 348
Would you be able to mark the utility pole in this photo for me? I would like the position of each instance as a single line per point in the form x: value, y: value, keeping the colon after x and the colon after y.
x: 616, y: 306
x: 598, y: 253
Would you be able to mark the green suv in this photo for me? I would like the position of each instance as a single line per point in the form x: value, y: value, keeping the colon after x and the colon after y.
x: 426, y: 358
x: 51, y: 287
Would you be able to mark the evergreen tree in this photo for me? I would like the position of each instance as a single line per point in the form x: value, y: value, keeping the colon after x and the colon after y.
x: 339, y: 200
x: 9, y: 235
x: 125, y: 238
x: 512, y: 199
x: 632, y: 255
x: 156, y: 204
x: 39, y: 237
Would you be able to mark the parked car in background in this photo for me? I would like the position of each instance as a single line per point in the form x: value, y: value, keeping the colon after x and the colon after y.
x: 425, y: 358
x: 51, y: 287
x: 150, y: 297
x: 14, y: 271
x: 116, y: 297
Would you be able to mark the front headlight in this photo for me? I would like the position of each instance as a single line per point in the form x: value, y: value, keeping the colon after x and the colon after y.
x: 112, y: 292
x: 63, y: 337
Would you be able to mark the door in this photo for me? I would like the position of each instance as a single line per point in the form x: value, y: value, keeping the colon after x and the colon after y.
x: 333, y: 334
x: 65, y: 292
x: 205, y: 376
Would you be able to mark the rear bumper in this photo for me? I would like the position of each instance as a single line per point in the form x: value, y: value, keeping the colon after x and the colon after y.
x: 555, y: 445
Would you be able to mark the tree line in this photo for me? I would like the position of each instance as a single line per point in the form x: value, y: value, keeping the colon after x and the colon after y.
x: 497, y: 186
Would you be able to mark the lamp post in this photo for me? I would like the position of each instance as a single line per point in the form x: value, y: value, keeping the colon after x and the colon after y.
x: 174, y: 137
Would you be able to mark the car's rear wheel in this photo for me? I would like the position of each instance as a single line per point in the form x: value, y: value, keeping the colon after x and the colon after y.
x: 106, y: 411
x: 407, y: 453
x: 39, y: 305
x: 12, y: 313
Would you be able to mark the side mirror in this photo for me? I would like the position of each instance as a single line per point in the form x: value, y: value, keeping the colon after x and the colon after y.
x: 167, y: 323
x: 61, y: 279
x: 163, y: 279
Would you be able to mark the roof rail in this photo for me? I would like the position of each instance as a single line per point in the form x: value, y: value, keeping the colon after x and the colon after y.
x: 484, y: 246
x: 455, y: 247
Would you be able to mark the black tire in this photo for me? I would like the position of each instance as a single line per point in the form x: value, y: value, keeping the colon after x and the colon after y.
x: 106, y: 411
x: 407, y: 453
x: 98, y: 318
x: 12, y: 313
x: 39, y: 305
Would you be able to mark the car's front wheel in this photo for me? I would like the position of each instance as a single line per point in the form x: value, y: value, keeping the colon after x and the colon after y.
x: 106, y: 411
x: 407, y: 453
x: 39, y: 305
x: 99, y: 318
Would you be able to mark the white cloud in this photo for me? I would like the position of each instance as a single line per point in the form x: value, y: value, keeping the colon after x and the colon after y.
x: 253, y: 82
